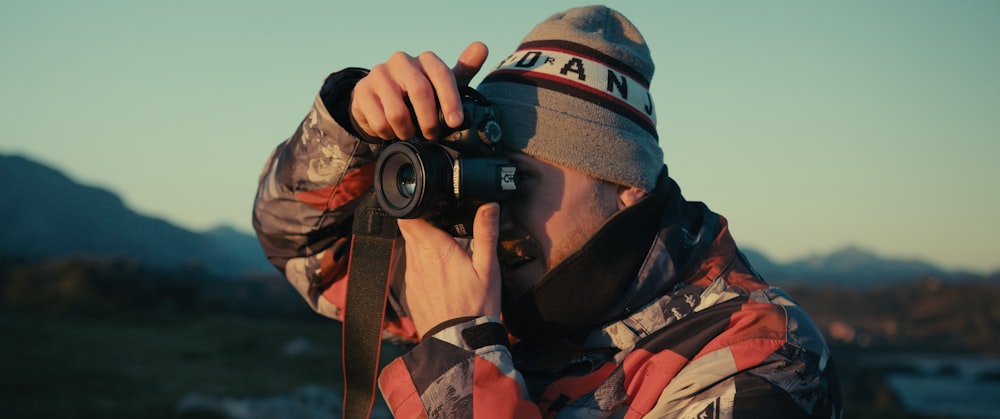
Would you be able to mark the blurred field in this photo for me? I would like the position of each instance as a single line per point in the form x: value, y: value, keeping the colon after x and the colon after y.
x: 116, y: 340
x: 140, y: 364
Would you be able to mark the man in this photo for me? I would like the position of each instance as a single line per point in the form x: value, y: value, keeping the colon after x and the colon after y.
x: 622, y: 299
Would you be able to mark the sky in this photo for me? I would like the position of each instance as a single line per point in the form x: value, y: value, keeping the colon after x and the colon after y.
x: 810, y: 125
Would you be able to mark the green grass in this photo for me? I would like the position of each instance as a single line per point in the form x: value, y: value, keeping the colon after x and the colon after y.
x: 140, y: 364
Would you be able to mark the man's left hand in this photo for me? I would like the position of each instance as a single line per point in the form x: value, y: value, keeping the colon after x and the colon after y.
x: 443, y: 282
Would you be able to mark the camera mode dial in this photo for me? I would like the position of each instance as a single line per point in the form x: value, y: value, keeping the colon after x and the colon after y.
x: 489, y: 131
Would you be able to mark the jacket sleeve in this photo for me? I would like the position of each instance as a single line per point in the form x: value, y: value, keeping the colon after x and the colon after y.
x: 745, y: 358
x: 306, y: 197
x: 464, y: 370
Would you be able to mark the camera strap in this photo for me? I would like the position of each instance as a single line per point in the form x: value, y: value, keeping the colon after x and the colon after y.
x: 372, y: 245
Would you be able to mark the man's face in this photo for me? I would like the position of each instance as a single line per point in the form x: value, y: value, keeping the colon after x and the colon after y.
x: 555, y: 211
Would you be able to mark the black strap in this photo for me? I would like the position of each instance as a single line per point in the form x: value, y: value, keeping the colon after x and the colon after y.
x: 375, y: 235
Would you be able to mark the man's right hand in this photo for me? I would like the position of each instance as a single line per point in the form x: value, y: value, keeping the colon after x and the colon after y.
x: 379, y: 101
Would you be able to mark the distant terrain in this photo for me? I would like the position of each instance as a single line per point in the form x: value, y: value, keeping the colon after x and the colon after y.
x: 45, y: 214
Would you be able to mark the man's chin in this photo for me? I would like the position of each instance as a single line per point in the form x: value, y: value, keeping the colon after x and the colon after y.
x: 519, y: 278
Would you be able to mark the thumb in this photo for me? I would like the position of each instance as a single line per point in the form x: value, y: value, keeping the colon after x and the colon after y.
x: 469, y: 62
x: 484, y: 241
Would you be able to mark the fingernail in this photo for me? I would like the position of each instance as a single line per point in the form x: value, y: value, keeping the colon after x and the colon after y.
x: 455, y: 119
x: 492, y: 209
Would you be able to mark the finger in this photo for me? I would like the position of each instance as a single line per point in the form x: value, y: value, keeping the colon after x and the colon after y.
x: 469, y: 62
x: 377, y: 101
x: 406, y: 93
x: 440, y: 93
x: 367, y: 112
x: 485, y: 232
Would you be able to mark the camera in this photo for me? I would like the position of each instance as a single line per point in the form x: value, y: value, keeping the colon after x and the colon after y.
x: 445, y: 180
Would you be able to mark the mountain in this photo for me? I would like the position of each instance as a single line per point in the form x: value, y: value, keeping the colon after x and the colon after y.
x: 44, y: 213
x: 849, y: 266
x: 241, y: 247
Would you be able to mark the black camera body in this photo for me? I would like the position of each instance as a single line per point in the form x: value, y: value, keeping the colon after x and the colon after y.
x: 445, y: 180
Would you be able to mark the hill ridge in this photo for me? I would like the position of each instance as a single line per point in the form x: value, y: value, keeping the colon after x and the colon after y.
x: 44, y: 213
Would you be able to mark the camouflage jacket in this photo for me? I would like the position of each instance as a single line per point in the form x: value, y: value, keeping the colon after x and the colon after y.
x: 698, y: 333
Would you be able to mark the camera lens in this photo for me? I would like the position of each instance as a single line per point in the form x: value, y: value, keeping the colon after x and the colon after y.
x: 413, y: 181
x: 407, y: 180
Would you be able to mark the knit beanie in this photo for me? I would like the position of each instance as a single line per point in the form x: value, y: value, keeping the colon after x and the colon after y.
x: 576, y: 93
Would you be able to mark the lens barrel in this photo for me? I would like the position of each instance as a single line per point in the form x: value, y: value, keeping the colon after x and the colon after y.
x: 413, y: 181
x: 484, y: 179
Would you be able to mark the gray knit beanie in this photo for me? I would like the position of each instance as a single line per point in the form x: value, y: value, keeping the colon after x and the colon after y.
x: 576, y: 94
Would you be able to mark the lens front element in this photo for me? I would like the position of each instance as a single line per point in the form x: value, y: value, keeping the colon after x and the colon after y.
x: 407, y: 180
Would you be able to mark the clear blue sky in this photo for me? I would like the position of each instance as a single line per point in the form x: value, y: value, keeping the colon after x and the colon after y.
x: 810, y: 125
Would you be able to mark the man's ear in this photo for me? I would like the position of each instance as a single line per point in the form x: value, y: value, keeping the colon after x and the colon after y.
x: 629, y: 195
